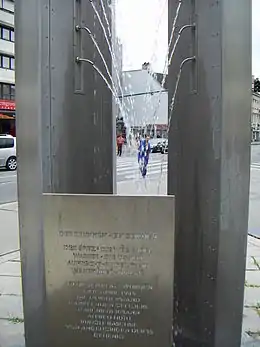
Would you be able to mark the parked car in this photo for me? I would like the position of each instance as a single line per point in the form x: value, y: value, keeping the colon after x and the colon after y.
x: 8, y: 152
x: 156, y: 145
x: 164, y: 147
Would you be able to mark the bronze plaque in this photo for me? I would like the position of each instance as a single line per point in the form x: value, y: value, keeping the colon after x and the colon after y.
x: 109, y: 270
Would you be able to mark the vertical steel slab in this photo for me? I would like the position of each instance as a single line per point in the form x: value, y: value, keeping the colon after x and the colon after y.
x: 209, y: 163
x: 81, y: 123
x: 29, y: 113
x: 65, y: 127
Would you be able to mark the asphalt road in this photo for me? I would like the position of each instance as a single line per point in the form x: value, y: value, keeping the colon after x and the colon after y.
x: 127, y: 170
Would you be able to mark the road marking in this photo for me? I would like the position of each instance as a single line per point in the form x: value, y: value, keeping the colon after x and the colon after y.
x: 150, y: 166
x: 149, y: 173
x: 130, y: 170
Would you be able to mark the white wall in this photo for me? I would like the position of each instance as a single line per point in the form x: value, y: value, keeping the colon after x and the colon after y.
x: 9, y: 5
x: 7, y: 18
x: 7, y: 76
x: 7, y: 47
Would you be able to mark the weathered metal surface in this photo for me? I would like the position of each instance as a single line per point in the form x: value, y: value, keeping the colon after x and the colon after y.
x: 109, y: 270
x: 65, y: 127
x: 29, y: 82
x: 209, y: 156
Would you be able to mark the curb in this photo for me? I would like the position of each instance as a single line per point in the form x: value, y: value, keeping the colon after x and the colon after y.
x: 10, y: 206
x: 254, y: 236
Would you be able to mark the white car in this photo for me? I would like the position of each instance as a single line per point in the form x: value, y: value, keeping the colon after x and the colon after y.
x: 8, y: 152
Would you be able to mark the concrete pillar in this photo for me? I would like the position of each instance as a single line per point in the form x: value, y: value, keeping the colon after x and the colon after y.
x: 209, y: 165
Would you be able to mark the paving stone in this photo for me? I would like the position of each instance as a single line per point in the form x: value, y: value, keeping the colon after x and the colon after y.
x: 256, y: 260
x: 253, y: 241
x: 248, y: 341
x: 251, y: 321
x: 254, y: 251
x: 11, y: 334
x: 253, y: 278
x: 10, y: 268
x: 10, y: 285
x: 11, y: 306
x: 250, y: 265
x: 137, y: 187
x: 9, y: 228
x: 252, y: 296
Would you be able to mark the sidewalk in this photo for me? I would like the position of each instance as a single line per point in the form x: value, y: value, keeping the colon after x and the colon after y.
x: 143, y: 187
x: 11, y: 312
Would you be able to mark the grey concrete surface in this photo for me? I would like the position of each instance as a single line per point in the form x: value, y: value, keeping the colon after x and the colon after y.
x: 8, y: 228
x: 254, y: 204
x: 140, y: 186
x: 8, y: 186
x: 11, y: 308
x: 251, y: 319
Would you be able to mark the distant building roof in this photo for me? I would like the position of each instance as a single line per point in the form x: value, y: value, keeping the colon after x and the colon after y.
x: 141, y: 81
x: 145, y: 101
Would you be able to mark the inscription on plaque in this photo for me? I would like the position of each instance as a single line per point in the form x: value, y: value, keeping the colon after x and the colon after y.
x: 109, y: 279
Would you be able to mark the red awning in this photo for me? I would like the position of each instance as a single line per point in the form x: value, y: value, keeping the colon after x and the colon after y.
x: 7, y: 105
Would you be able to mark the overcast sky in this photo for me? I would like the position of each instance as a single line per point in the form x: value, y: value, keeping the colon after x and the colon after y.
x: 256, y: 38
x: 143, y: 33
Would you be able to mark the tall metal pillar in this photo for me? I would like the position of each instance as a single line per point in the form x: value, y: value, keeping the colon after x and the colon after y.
x: 81, y: 122
x: 65, y: 126
x: 209, y: 163
x: 28, y: 123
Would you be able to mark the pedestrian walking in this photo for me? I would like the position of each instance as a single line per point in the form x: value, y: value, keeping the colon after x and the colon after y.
x: 120, y: 141
x: 144, y: 150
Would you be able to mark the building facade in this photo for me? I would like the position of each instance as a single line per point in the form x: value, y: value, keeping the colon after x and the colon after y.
x: 255, y: 117
x: 7, y: 67
x: 145, y: 102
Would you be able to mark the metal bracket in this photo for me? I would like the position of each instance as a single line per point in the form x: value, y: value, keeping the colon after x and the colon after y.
x: 84, y: 60
x: 193, y: 26
x: 78, y: 28
x: 186, y: 61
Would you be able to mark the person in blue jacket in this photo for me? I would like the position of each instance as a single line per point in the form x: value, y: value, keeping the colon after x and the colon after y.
x: 144, y: 150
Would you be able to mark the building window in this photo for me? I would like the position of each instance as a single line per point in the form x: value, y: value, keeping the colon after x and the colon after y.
x: 12, y: 91
x: 7, y: 5
x: 6, y: 33
x: 7, y: 91
x: 12, y: 35
x: 7, y: 62
x: 12, y: 63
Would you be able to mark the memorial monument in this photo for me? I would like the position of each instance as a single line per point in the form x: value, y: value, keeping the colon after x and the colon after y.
x: 109, y: 276
x: 64, y: 121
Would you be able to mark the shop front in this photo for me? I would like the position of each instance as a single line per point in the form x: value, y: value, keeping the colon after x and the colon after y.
x: 7, y: 117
